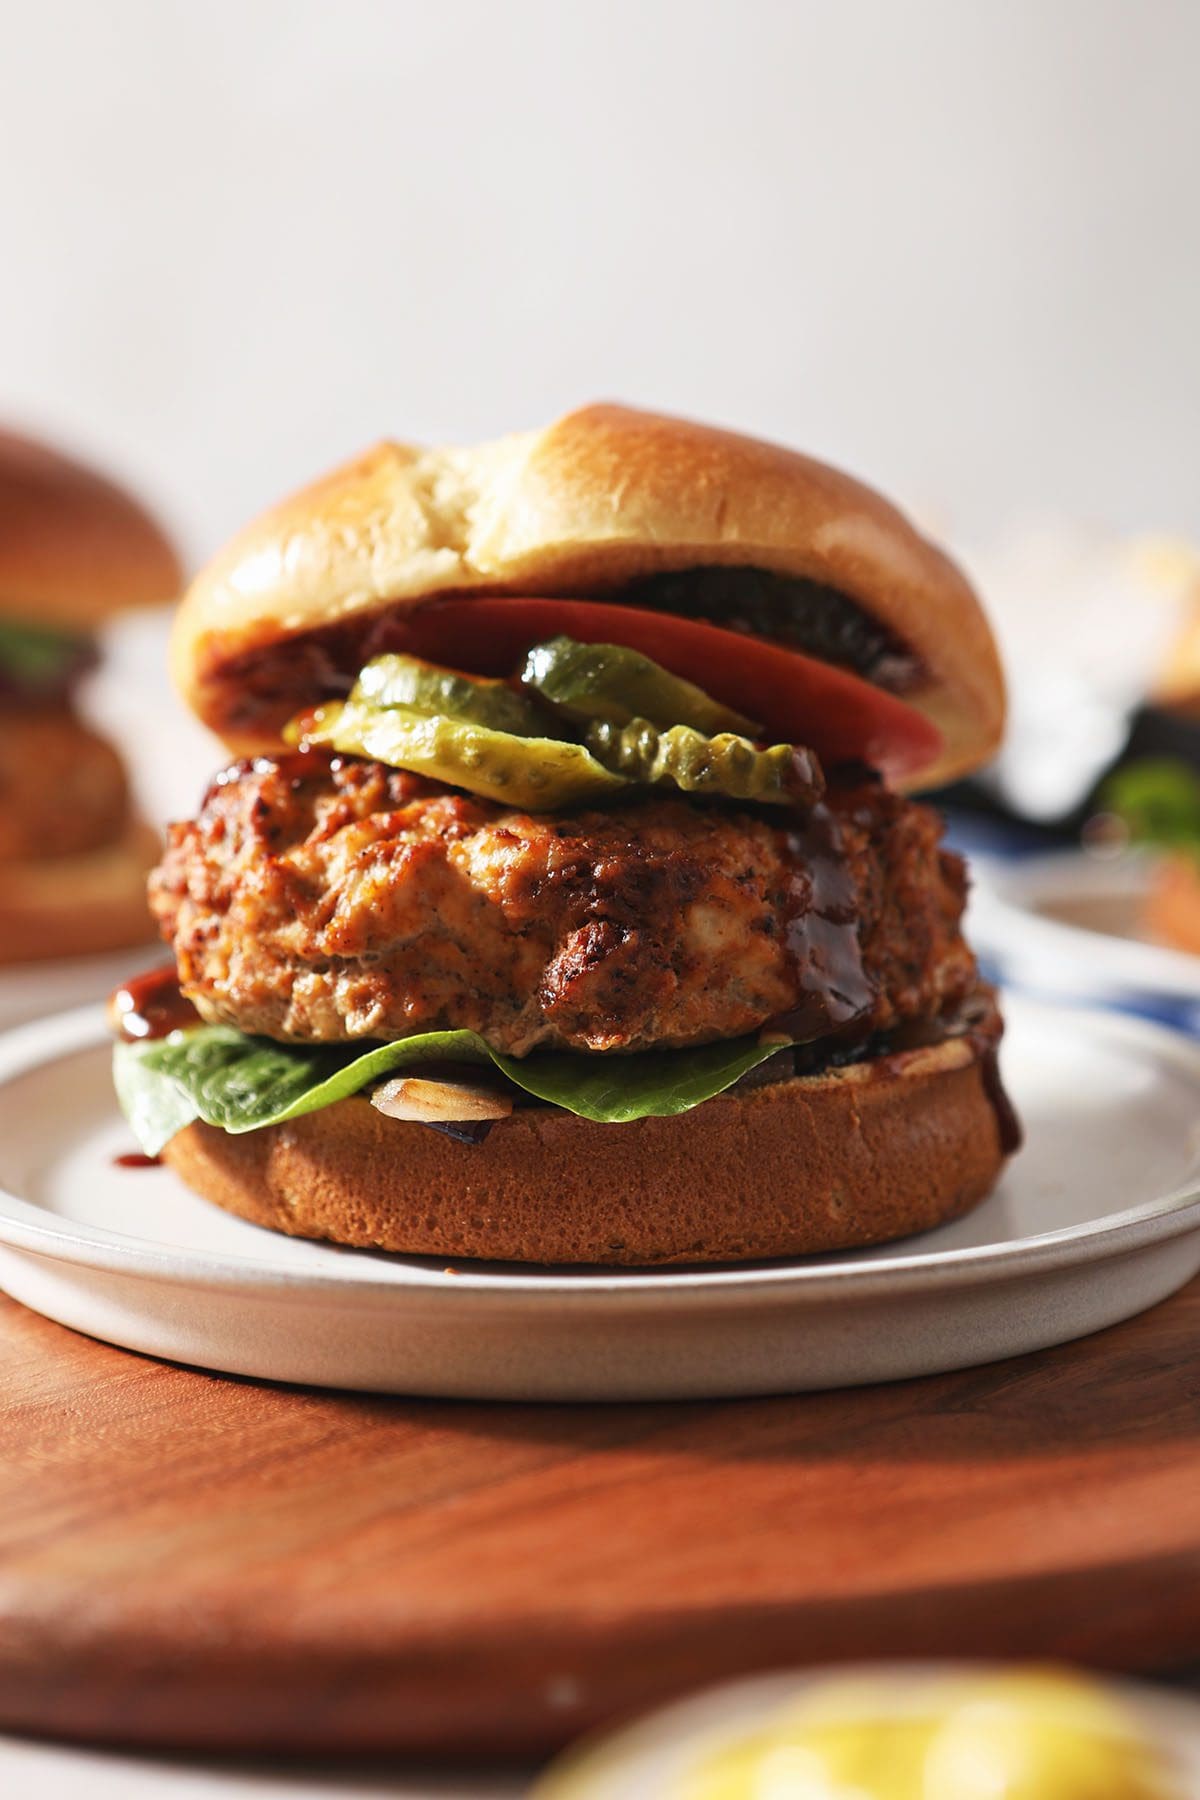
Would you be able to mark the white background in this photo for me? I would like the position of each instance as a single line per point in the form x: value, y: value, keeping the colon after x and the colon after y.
x: 954, y: 244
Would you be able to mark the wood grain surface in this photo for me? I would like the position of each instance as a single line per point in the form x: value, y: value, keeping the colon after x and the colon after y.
x: 187, y: 1559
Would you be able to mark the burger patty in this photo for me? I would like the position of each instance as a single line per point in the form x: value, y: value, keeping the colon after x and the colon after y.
x: 63, y: 790
x: 323, y: 899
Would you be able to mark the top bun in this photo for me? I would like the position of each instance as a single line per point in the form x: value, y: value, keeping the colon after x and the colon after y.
x: 74, y: 547
x: 606, y: 495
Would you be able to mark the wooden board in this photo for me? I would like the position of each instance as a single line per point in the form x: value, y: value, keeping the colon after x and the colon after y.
x: 192, y: 1560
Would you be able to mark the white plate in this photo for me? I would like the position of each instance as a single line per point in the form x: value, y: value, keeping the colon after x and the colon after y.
x: 653, y: 1757
x: 32, y: 990
x: 1068, y: 924
x: 1098, y: 1218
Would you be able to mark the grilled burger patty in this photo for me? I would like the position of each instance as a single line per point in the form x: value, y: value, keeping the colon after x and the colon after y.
x: 322, y: 899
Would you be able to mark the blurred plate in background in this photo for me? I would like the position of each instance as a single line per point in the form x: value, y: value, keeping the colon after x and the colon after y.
x: 1067, y: 925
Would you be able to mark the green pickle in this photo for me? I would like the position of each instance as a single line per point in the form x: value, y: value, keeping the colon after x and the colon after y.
x: 725, y: 766
x: 587, y: 682
x: 537, y: 773
x: 642, y: 727
x: 407, y: 681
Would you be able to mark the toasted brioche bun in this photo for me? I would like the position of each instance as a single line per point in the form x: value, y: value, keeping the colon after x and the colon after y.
x: 603, y: 497
x: 858, y: 1155
x: 78, y: 905
x: 74, y: 547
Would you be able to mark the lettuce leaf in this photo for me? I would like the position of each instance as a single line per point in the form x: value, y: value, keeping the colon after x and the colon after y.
x: 31, y: 656
x: 241, y: 1083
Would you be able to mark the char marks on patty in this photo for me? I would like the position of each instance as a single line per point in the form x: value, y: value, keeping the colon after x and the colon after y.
x: 324, y: 899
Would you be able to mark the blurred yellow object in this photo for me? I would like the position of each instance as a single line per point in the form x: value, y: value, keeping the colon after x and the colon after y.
x: 1031, y: 1736
x: 901, y: 1733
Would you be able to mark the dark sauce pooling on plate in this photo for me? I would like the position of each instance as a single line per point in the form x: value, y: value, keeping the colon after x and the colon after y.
x: 151, y: 1006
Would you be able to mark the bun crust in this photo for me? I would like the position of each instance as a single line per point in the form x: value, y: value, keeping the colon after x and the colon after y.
x: 78, y: 905
x: 74, y: 547
x: 857, y: 1155
x: 603, y: 497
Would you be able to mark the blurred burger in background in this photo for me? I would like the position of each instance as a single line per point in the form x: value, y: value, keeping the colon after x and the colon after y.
x: 74, y: 549
x: 1101, y: 640
x: 1091, y: 629
x: 1151, y: 800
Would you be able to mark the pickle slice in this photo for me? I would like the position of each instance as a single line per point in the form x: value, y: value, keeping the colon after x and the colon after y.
x: 396, y: 680
x: 538, y: 774
x: 609, y: 682
x: 724, y: 765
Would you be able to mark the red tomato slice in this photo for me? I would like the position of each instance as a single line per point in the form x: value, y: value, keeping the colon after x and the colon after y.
x: 798, y: 699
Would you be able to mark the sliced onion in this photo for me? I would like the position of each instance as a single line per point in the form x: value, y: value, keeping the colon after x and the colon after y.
x: 425, y: 1102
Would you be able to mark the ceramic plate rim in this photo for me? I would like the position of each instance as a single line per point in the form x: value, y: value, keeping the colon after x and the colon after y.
x: 23, y: 1224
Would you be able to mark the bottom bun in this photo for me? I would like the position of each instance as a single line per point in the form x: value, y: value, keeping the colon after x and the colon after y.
x: 78, y: 905
x: 857, y: 1155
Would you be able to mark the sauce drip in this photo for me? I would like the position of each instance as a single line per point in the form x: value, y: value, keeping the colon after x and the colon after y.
x: 136, y: 1159
x: 976, y: 1020
x: 1007, y: 1123
x: 151, y: 1006
x: 822, y: 935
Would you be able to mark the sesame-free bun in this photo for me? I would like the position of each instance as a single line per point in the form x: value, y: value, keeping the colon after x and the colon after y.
x: 857, y: 1155
x: 605, y: 496
x: 74, y: 547
x: 78, y: 905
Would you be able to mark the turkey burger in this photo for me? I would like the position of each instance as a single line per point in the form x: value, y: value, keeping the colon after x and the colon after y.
x: 566, y: 903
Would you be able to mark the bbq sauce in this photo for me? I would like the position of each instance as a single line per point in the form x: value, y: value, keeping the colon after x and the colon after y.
x: 972, y: 1022
x: 1012, y: 1135
x: 151, y: 1006
x: 822, y: 936
x: 136, y: 1159
x: 974, y: 1019
x: 837, y: 999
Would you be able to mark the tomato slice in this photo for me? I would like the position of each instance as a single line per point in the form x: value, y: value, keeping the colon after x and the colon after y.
x: 798, y: 698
